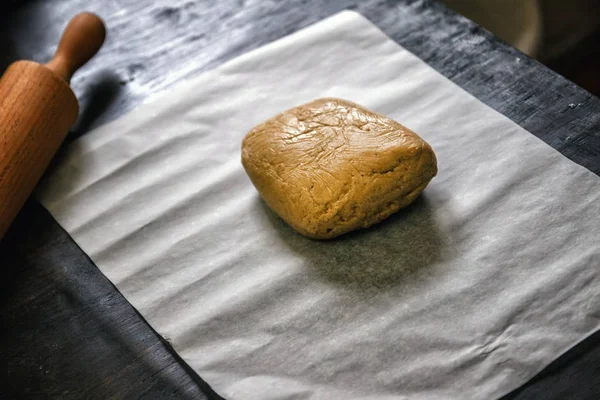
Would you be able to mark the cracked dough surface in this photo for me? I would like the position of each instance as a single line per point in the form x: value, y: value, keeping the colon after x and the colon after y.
x: 331, y: 166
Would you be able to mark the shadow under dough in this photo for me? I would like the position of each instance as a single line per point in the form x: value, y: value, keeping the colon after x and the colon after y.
x: 385, y: 255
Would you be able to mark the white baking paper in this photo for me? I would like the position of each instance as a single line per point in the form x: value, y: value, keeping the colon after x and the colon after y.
x: 467, y: 294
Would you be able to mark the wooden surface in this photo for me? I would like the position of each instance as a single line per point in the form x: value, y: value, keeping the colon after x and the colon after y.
x: 66, y: 331
x: 80, y: 41
x: 38, y: 109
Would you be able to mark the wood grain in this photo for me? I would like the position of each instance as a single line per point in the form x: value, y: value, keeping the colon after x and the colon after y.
x: 37, y: 110
x: 67, y: 333
x: 80, y: 41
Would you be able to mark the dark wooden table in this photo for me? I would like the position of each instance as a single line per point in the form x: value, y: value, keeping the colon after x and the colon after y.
x: 67, y: 333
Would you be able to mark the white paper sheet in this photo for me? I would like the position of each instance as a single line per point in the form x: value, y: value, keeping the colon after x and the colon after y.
x: 489, y: 277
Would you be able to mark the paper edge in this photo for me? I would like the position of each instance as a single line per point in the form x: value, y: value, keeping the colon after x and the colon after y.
x: 179, y: 86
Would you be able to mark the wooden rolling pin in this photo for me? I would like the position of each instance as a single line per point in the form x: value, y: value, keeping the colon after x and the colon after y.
x: 37, y: 109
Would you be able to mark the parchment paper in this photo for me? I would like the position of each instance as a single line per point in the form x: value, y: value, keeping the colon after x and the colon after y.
x: 467, y: 294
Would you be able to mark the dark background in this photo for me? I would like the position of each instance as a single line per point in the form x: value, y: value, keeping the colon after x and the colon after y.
x: 66, y: 332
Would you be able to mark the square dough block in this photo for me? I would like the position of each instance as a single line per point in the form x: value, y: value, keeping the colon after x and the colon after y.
x: 331, y: 166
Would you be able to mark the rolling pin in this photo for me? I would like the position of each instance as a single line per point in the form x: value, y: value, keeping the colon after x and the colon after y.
x: 37, y: 109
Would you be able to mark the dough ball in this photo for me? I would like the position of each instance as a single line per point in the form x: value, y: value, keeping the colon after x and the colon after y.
x: 331, y: 166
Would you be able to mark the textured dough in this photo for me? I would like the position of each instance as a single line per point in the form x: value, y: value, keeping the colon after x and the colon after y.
x: 331, y: 166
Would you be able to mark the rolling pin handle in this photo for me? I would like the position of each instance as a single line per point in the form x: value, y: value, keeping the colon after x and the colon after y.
x: 81, y: 39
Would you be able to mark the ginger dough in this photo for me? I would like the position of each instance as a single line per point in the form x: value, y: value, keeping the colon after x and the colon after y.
x: 331, y: 166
